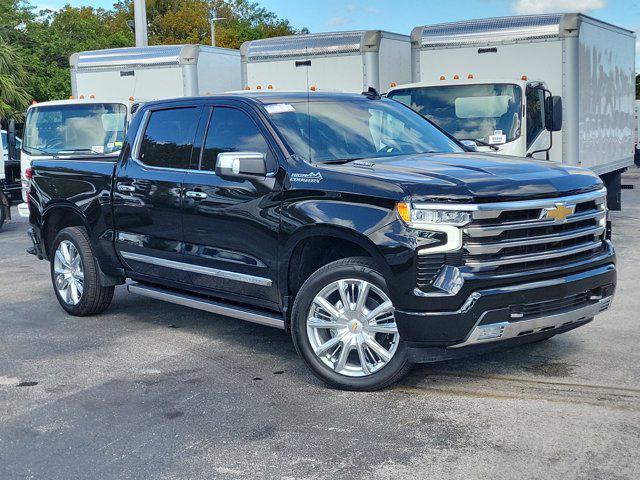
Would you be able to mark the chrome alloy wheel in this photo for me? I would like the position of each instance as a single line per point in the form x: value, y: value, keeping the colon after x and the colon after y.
x: 352, y: 328
x: 68, y: 272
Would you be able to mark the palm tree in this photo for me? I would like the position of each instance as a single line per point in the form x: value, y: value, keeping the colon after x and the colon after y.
x: 14, y: 99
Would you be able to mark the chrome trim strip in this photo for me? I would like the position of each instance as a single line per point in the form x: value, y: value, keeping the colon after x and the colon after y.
x: 507, y: 330
x: 495, y: 230
x: 190, y: 267
x: 515, y: 205
x: 207, y: 305
x: 561, y: 252
x: 482, y: 248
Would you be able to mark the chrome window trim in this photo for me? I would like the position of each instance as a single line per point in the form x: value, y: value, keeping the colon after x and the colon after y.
x: 190, y: 267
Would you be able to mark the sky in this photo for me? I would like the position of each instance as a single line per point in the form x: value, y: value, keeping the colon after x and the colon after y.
x: 402, y: 15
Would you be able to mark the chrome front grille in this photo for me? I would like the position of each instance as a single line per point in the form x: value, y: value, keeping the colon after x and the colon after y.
x: 515, y: 237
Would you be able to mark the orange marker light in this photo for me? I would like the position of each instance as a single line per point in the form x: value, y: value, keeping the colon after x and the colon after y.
x: 441, y: 77
x: 404, y: 211
x: 524, y: 78
x: 131, y: 99
x: 247, y: 87
x: 259, y: 87
x: 313, y: 88
x: 270, y: 87
x: 72, y: 97
x: 81, y: 97
x: 92, y: 96
x: 33, y: 102
x: 456, y: 77
x: 393, y: 84
x: 470, y: 76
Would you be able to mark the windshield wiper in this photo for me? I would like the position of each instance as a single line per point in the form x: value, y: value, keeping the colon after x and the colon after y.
x: 32, y: 150
x: 343, y: 160
x: 480, y: 142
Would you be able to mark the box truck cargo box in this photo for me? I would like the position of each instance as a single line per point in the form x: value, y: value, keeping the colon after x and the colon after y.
x: 468, y: 77
x: 156, y: 72
x: 338, y: 61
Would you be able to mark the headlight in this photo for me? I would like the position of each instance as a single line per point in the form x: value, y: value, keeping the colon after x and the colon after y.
x: 425, y: 217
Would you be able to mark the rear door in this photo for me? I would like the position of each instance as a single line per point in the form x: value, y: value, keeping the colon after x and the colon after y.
x: 231, y: 227
x: 148, y: 193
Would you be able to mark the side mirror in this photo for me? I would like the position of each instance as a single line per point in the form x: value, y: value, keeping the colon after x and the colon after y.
x: 241, y: 166
x: 553, y: 113
x: 470, y: 145
x: 14, y: 153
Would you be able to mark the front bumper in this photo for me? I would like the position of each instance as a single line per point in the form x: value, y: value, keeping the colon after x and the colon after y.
x: 515, y: 311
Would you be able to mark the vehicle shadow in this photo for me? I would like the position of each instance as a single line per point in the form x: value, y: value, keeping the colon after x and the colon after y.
x: 539, y: 360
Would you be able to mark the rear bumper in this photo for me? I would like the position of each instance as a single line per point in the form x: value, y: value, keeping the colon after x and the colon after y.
x: 516, y: 311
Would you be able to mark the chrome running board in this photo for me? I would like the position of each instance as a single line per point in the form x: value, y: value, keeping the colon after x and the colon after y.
x: 212, y: 306
x: 495, y: 332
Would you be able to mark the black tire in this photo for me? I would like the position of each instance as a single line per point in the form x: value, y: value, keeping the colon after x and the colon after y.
x: 361, y: 268
x: 95, y: 298
x: 3, y: 216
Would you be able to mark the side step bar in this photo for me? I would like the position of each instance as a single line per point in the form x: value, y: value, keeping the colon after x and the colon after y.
x: 207, y: 305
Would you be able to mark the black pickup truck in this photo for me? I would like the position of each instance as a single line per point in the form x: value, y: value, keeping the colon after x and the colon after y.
x: 349, y: 220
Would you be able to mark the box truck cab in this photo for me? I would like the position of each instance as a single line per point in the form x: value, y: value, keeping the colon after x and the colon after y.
x: 78, y: 128
x: 506, y: 116
x: 588, y: 63
x: 334, y: 61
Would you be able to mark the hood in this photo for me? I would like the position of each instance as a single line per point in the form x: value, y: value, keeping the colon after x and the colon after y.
x: 474, y: 177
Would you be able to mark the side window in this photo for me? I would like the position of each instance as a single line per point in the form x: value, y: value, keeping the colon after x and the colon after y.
x: 535, y: 114
x: 168, y: 138
x: 232, y: 130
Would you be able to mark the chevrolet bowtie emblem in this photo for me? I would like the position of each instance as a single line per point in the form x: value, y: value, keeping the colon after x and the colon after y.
x: 559, y: 213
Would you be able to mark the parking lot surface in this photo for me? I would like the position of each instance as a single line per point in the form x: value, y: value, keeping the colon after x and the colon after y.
x: 154, y: 390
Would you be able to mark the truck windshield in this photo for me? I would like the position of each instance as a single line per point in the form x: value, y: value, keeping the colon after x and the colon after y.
x: 93, y: 129
x: 490, y: 113
x: 339, y: 130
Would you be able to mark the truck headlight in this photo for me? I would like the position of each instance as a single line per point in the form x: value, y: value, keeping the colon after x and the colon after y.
x: 426, y: 217
x: 449, y: 222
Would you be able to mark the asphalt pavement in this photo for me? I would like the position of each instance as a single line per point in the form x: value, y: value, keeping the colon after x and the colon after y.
x: 151, y: 390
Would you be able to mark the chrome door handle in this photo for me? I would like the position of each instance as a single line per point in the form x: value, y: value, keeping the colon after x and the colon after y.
x: 196, y: 195
x: 123, y: 187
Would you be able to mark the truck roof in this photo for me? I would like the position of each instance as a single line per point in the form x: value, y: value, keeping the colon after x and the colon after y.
x: 75, y: 101
x: 264, y: 97
x: 155, y: 55
x: 316, y: 44
x: 503, y: 30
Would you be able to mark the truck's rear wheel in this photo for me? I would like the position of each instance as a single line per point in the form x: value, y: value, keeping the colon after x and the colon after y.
x: 344, y: 328
x: 75, y: 278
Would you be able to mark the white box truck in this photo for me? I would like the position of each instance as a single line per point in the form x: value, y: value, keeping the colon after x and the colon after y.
x: 334, y: 61
x: 156, y: 72
x: 495, y: 81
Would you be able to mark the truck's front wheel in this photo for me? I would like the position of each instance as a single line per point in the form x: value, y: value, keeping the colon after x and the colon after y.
x: 75, y: 278
x: 344, y: 328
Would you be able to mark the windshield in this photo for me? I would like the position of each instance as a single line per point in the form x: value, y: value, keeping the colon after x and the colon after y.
x: 489, y: 113
x: 330, y: 131
x: 93, y: 129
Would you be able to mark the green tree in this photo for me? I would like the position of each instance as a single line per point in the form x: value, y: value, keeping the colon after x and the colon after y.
x: 14, y: 99
x: 187, y: 21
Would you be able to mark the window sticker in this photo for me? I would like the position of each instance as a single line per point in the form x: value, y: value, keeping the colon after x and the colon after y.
x: 279, y: 108
x: 97, y: 149
x: 497, y: 137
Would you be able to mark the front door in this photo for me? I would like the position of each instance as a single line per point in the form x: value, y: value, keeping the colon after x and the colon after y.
x: 148, y: 194
x: 231, y: 227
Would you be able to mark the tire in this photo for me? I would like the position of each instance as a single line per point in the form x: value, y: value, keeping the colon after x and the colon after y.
x: 80, y: 275
x: 3, y: 215
x: 348, y: 358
